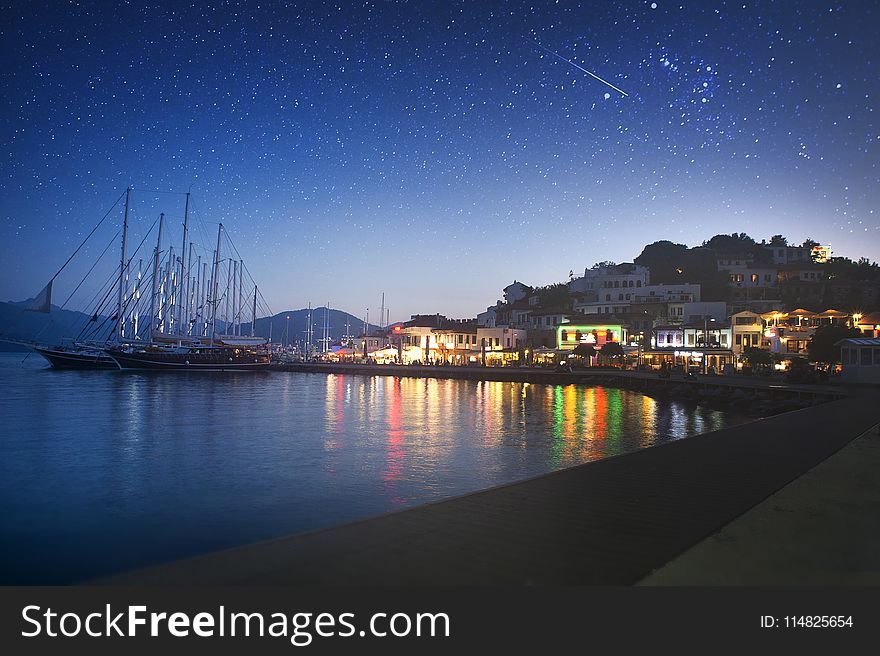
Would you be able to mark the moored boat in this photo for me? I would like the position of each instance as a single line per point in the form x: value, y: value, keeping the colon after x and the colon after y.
x: 233, y: 354
x: 63, y: 357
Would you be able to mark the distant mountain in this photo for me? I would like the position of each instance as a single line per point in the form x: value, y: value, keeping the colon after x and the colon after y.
x: 294, y: 330
x: 17, y: 324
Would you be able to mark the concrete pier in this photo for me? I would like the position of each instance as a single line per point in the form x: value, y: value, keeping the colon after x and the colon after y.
x: 612, y: 522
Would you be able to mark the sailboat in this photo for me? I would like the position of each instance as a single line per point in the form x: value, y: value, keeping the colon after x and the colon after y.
x: 179, y: 351
x: 180, y: 332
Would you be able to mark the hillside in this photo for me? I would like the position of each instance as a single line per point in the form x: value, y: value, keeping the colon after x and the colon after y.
x: 18, y: 324
x: 294, y: 331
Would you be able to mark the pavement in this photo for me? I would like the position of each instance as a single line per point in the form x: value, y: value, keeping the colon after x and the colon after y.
x: 791, y: 498
x: 823, y: 528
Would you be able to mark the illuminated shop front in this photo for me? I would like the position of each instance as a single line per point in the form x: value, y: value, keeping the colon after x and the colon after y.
x: 569, y: 337
x: 709, y: 359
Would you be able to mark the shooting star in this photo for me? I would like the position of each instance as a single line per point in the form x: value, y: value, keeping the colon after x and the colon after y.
x: 581, y: 68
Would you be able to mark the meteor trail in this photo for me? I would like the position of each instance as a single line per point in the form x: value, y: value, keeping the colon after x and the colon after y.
x: 581, y: 68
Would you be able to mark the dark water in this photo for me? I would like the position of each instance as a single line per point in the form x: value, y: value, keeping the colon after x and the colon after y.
x: 106, y: 471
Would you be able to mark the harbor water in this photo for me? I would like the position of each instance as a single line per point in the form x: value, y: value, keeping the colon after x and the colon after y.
x: 104, y: 471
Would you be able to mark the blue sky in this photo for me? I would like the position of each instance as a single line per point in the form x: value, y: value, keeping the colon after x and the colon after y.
x: 433, y: 151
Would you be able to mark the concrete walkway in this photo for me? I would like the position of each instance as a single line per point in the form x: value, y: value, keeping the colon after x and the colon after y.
x: 821, y: 529
x: 611, y: 522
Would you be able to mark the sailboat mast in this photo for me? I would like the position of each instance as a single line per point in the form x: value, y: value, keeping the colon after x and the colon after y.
x: 215, y: 278
x: 136, y: 296
x: 186, y: 324
x: 203, y: 299
x: 234, y: 293
x: 309, y: 331
x: 254, y: 315
x: 153, y: 320
x: 119, y: 321
x: 170, y: 268
x: 182, y: 292
x: 240, y: 289
x: 197, y: 297
x: 226, y: 294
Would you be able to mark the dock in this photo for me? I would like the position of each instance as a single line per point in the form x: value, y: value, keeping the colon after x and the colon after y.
x: 617, y: 521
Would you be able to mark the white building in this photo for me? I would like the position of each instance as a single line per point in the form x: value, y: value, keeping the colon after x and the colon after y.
x: 788, y: 254
x: 619, y: 300
x: 497, y: 339
x: 608, y: 278
x: 751, y: 275
x: 860, y: 360
x: 798, y: 254
x: 516, y: 291
x: 487, y: 318
x: 683, y: 293
x: 748, y: 330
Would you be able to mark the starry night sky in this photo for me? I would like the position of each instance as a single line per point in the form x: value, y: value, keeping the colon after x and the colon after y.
x: 434, y: 150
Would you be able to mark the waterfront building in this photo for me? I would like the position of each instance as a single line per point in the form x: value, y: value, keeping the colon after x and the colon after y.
x: 748, y: 331
x: 668, y: 336
x: 831, y: 317
x: 569, y: 336
x: 456, y: 342
x: 860, y: 360
x: 710, y: 334
x: 788, y: 332
x: 371, y: 343
x: 703, y: 346
x: 499, y: 346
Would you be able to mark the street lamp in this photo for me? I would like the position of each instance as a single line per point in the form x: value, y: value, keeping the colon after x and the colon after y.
x: 641, y: 336
x: 287, y: 331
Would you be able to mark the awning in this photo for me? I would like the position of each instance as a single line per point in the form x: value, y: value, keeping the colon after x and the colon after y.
x: 831, y: 314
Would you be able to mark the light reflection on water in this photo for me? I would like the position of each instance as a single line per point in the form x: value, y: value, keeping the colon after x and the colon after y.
x: 125, y: 470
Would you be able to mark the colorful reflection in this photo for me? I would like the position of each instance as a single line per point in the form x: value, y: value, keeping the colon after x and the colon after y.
x: 440, y: 435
